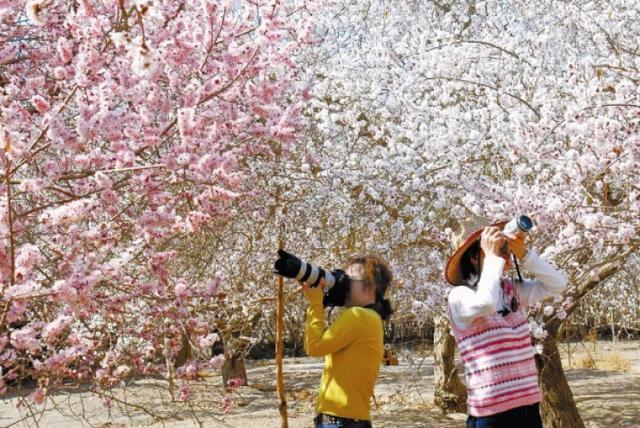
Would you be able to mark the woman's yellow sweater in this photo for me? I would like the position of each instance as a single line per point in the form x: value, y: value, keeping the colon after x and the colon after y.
x: 353, y: 350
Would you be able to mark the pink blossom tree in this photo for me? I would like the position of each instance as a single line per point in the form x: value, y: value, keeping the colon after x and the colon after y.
x: 125, y: 131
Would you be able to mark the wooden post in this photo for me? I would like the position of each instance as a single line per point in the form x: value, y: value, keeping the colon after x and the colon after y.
x: 279, y: 351
x: 282, y: 408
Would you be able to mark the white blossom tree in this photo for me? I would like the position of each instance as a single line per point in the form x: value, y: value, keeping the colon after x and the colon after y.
x: 428, y: 111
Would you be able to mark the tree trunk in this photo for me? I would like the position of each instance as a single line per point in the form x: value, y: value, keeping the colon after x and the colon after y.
x: 613, y: 328
x: 450, y: 392
x: 233, y: 368
x: 185, y: 353
x: 558, y: 408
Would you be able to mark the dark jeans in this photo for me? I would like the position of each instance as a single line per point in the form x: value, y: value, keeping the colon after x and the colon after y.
x: 341, y: 425
x: 328, y: 421
x: 520, y: 417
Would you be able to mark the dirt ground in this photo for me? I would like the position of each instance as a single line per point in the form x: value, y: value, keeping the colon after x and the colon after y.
x: 606, y: 396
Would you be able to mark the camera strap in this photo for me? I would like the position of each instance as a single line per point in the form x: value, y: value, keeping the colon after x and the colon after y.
x: 515, y: 262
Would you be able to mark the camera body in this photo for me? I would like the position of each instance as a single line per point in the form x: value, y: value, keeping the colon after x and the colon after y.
x: 336, y: 282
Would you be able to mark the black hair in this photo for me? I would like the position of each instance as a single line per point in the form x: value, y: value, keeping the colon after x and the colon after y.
x: 466, y: 266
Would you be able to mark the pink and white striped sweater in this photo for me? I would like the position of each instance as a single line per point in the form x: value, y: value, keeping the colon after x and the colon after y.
x: 497, y: 352
x: 499, y: 366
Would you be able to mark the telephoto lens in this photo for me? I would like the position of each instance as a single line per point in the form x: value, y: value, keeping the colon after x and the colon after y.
x: 518, y: 224
x: 521, y: 223
x: 336, y: 282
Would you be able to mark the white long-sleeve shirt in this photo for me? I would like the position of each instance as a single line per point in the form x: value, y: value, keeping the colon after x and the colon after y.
x: 468, y: 303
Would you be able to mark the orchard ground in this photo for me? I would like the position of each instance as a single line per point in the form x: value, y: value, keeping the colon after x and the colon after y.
x: 604, y: 377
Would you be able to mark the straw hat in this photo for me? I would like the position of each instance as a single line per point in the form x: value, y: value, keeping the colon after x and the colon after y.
x: 468, y: 232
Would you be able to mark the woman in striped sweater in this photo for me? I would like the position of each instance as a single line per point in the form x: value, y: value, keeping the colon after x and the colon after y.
x: 486, y: 311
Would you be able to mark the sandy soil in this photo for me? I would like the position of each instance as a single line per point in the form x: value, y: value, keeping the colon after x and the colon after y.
x: 404, y: 393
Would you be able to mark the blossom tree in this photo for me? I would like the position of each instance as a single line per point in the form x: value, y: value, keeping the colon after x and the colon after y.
x: 424, y: 113
x: 149, y: 159
x: 125, y: 131
x: 427, y: 112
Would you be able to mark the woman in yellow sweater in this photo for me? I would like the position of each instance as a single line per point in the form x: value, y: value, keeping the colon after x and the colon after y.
x: 352, y: 345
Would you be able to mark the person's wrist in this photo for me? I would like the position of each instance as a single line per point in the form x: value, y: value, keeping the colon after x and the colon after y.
x: 493, y: 256
x: 493, y: 262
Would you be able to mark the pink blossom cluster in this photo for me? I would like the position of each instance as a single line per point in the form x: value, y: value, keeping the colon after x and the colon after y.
x: 126, y: 132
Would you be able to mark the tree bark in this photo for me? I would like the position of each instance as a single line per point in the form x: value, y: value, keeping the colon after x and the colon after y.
x: 558, y: 408
x: 185, y: 353
x: 233, y: 368
x: 450, y: 392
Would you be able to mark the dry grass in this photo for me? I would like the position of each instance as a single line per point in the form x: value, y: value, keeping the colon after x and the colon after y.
x: 306, y: 395
x: 610, y: 361
x: 583, y: 361
x: 614, y: 361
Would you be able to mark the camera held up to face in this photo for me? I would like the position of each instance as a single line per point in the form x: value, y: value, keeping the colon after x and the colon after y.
x: 336, y: 282
x: 520, y: 224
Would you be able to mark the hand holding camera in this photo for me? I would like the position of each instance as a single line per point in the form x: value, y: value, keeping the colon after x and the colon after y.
x: 508, y: 240
x: 492, y: 241
x: 315, y: 292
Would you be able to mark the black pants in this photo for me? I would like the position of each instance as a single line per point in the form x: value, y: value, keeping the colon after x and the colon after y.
x: 329, y: 421
x: 520, y: 417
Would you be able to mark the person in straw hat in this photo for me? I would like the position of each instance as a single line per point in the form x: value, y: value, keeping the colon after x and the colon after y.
x: 486, y: 311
